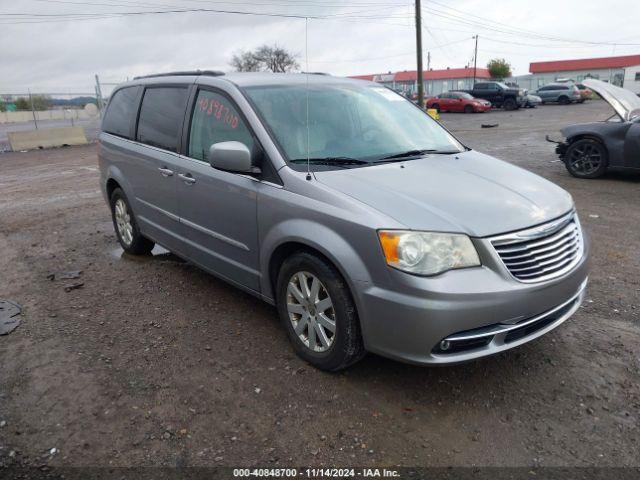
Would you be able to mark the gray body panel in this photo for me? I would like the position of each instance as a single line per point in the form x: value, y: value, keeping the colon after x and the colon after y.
x: 233, y: 225
x: 468, y: 192
x: 218, y: 219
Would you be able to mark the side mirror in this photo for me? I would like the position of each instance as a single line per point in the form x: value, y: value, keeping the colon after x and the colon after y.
x: 231, y: 157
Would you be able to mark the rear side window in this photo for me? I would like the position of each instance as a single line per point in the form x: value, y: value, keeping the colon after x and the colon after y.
x: 161, y: 117
x: 121, y: 112
x: 215, y: 119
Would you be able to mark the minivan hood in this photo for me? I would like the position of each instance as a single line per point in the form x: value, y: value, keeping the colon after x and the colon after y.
x: 624, y: 102
x: 469, y: 192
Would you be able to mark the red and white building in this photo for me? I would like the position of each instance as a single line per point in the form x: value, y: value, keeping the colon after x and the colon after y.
x: 623, y: 71
x: 435, y: 81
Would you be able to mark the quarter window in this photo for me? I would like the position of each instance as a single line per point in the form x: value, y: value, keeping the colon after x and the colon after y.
x: 215, y: 120
x: 161, y: 117
x: 120, y: 112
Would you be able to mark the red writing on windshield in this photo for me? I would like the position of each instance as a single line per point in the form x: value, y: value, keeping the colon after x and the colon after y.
x: 219, y: 111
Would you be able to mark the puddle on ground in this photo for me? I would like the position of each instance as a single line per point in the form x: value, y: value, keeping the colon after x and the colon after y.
x: 158, y: 253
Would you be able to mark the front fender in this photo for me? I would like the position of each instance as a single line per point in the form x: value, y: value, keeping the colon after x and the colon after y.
x: 611, y: 135
x: 318, y: 237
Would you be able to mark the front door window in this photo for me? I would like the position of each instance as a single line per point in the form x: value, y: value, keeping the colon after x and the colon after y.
x: 215, y: 120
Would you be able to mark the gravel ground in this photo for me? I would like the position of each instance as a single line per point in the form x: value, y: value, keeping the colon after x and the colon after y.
x: 153, y: 362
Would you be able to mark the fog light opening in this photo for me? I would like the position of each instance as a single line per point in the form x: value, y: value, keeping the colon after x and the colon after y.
x: 445, y: 345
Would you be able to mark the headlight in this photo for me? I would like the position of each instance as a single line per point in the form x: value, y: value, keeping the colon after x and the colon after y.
x: 427, y: 253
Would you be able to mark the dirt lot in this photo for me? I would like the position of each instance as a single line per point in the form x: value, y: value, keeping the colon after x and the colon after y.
x: 154, y: 362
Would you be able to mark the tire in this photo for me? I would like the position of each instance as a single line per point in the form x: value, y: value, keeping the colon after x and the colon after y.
x: 564, y: 100
x: 509, y: 104
x: 345, y: 346
x: 592, y: 167
x: 468, y: 109
x: 436, y: 107
x: 126, y: 227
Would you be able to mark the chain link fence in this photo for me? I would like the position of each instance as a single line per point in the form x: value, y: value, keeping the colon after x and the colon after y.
x: 28, y: 110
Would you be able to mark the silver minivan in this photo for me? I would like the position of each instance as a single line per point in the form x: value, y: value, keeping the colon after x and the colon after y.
x: 563, y: 93
x: 366, y: 223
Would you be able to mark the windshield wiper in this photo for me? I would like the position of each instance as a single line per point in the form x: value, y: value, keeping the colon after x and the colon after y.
x: 415, y: 153
x: 331, y: 161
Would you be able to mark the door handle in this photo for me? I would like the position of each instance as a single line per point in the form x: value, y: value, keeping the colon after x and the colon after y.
x: 187, y: 178
x: 165, y: 172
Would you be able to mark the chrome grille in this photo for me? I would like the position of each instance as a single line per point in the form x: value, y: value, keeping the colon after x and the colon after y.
x: 544, y: 252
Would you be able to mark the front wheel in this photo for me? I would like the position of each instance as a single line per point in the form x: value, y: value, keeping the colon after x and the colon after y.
x: 468, y: 109
x: 510, y: 104
x: 318, y: 312
x: 586, y: 158
x: 126, y: 227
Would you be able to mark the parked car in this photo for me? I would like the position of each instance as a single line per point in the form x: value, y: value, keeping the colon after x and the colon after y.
x: 499, y: 94
x: 585, y: 93
x: 589, y: 149
x: 531, y: 100
x: 563, y: 93
x: 458, y: 102
x: 367, y: 224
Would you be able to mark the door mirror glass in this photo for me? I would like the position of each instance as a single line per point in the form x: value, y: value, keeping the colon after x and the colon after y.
x: 231, y: 156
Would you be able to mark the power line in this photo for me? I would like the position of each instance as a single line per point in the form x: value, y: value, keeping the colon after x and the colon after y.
x: 388, y: 56
x: 510, y: 30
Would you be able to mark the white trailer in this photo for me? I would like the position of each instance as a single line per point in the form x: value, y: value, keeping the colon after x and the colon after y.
x: 632, y: 79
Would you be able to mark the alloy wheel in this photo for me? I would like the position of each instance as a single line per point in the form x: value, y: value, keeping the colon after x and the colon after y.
x: 586, y: 159
x: 311, y: 311
x: 123, y: 221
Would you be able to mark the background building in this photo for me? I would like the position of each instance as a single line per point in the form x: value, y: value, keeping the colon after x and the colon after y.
x: 623, y: 71
x: 435, y: 81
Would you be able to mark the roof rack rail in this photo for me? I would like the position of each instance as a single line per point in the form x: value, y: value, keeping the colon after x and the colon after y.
x: 317, y: 73
x: 210, y: 73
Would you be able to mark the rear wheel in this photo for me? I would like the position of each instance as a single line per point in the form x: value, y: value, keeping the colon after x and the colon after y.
x: 586, y: 158
x: 510, y: 104
x: 318, y: 312
x: 468, y: 109
x: 126, y: 227
x: 436, y: 107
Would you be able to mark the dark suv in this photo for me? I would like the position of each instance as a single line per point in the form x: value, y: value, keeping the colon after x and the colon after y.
x: 499, y: 94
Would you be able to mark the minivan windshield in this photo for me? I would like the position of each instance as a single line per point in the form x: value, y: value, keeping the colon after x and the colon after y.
x: 348, y: 124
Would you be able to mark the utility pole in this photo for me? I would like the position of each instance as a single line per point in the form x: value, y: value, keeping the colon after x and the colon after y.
x: 33, y: 110
x: 475, y: 62
x: 99, y: 95
x: 419, y: 54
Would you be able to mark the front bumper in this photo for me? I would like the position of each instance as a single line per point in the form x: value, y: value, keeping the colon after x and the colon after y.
x: 561, y: 149
x: 409, y: 325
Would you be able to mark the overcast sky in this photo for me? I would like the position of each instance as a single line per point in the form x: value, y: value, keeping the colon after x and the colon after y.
x: 49, y: 51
